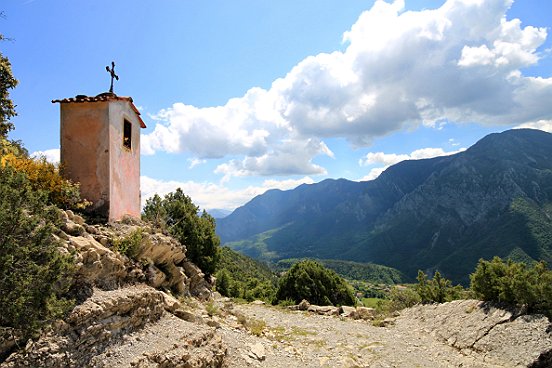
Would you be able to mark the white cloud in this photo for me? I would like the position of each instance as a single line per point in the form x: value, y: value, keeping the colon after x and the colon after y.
x: 545, y: 125
x: 210, y: 195
x: 195, y: 162
x: 374, y: 173
x: 51, y: 155
x: 388, y: 159
x: 288, y: 158
x: 460, y: 63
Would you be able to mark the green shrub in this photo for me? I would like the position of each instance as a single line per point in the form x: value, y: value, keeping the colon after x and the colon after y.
x: 177, y: 214
x: 34, y: 275
x: 224, y: 280
x: 514, y: 283
x: 239, y: 276
x: 438, y: 289
x: 311, y: 281
x: 286, y: 302
x: 403, y: 297
x: 42, y: 175
x: 130, y: 244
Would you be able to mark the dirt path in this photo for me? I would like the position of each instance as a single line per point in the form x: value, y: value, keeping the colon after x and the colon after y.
x: 302, y: 339
x: 458, y: 334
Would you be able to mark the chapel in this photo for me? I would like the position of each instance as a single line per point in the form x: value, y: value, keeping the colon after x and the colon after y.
x: 100, y: 149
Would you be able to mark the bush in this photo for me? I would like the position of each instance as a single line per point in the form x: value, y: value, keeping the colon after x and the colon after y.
x: 438, y: 289
x: 403, y: 297
x: 177, y: 214
x: 34, y: 275
x: 224, y: 281
x: 311, y: 281
x: 239, y: 276
x: 42, y: 175
x: 129, y: 245
x: 514, y: 283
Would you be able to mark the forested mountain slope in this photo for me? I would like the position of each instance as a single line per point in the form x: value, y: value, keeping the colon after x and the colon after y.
x: 442, y: 213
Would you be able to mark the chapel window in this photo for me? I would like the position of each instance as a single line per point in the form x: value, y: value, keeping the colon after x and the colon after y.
x: 127, y: 134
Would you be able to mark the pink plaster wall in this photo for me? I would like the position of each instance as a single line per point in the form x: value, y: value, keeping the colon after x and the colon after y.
x: 85, y: 149
x: 92, y: 153
x: 124, y: 163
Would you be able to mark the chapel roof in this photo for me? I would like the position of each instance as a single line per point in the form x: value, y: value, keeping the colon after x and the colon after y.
x: 103, y: 97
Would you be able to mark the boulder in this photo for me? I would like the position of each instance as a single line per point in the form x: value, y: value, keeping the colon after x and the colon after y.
x: 365, y: 313
x: 348, y: 312
x: 326, y: 310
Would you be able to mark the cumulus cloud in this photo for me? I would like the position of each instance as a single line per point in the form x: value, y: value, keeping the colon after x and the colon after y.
x: 51, y: 155
x: 210, y: 195
x: 291, y: 157
x: 462, y: 62
x: 388, y: 159
x: 193, y: 162
x: 545, y: 125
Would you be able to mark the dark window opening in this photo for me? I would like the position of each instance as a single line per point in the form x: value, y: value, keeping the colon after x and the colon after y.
x: 127, y: 134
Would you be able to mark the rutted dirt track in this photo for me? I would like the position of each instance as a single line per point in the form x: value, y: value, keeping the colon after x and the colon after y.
x: 278, y: 338
x: 141, y: 327
x: 302, y: 339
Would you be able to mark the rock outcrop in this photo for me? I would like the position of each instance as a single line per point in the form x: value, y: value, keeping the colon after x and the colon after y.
x: 94, y: 329
x: 505, y: 337
x: 158, y: 260
x: 122, y: 270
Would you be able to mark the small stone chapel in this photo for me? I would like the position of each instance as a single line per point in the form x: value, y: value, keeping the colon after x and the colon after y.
x: 100, y: 149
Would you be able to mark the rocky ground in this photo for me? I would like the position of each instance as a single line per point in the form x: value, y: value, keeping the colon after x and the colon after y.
x: 124, y: 320
x: 189, y: 333
x: 458, y: 334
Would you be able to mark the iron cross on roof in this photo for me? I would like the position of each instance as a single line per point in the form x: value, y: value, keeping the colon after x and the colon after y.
x: 113, y: 75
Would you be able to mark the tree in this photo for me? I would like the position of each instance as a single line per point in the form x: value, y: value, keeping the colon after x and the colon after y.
x: 7, y: 108
x: 177, y: 214
x: 311, y: 281
x: 436, y: 290
x: 514, y: 283
x: 224, y: 281
x: 34, y: 275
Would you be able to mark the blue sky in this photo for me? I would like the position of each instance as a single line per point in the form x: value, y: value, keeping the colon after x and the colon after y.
x: 243, y: 96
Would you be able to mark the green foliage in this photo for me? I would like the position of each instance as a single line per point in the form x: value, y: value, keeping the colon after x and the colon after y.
x: 211, y: 308
x: 34, y: 275
x: 286, y: 302
x: 129, y: 245
x: 436, y: 290
x: 223, y: 282
x: 311, y: 281
x: 242, y: 277
x: 155, y: 212
x: 7, y: 108
x: 399, y: 297
x: 514, y: 283
x: 177, y: 214
x: 42, y: 175
x: 403, y: 297
x: 369, y: 272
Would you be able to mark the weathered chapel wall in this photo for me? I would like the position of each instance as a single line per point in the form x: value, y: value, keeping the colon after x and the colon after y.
x: 124, y: 162
x: 85, y: 149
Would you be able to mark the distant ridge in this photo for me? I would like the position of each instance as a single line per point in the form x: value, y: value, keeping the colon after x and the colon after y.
x: 441, y: 213
x: 218, y: 213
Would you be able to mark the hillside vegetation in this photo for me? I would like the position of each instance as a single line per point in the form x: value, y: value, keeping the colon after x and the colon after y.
x: 368, y: 272
x: 444, y: 213
x: 239, y: 276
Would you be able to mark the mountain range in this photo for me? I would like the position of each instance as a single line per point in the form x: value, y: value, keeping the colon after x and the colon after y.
x: 443, y: 213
